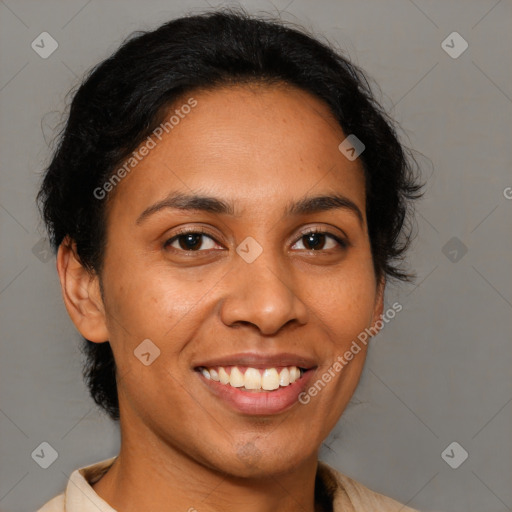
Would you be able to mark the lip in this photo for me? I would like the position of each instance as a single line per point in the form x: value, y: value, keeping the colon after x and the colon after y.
x: 264, y: 403
x: 259, y: 360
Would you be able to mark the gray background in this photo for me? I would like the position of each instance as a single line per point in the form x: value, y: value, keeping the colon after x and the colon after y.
x: 439, y: 372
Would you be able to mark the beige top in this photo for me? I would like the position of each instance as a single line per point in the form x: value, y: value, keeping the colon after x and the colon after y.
x: 333, y: 492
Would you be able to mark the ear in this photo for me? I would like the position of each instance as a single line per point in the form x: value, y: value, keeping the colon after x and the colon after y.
x: 378, y: 307
x: 81, y: 294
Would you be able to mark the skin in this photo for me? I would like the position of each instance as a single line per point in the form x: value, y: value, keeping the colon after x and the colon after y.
x: 260, y: 147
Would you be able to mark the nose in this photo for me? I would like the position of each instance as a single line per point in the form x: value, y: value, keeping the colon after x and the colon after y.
x: 262, y: 293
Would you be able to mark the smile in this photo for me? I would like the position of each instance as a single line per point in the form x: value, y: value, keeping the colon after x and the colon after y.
x: 255, y: 383
x: 253, y: 379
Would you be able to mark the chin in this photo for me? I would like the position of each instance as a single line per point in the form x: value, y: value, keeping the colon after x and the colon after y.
x: 252, y: 461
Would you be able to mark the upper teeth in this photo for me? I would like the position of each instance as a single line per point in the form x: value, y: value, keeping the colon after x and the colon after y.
x: 253, y: 378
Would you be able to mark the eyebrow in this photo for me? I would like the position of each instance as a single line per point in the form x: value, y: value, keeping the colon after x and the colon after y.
x: 304, y: 206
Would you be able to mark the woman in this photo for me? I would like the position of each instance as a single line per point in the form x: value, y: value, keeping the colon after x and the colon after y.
x: 227, y: 202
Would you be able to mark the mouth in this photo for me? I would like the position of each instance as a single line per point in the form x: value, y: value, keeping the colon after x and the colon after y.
x: 257, y: 384
x: 256, y: 380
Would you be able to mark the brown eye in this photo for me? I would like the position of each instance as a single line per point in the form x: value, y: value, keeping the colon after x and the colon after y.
x: 316, y: 241
x: 190, y: 241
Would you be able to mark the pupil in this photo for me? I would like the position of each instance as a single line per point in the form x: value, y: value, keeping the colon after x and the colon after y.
x: 195, y: 240
x: 312, y: 236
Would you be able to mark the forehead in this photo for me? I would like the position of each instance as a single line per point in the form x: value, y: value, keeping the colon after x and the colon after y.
x: 252, y: 144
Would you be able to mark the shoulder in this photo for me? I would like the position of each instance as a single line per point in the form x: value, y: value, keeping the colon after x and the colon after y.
x: 79, y: 495
x: 348, y: 494
x: 54, y: 505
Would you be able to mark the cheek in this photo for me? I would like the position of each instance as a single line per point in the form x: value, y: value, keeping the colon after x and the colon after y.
x: 140, y: 303
x: 153, y: 302
x: 345, y: 303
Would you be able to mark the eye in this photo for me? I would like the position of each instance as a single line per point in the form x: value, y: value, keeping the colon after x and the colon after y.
x: 193, y: 241
x: 190, y: 241
x: 316, y: 239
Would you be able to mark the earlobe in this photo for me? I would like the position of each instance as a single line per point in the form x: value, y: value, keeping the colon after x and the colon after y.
x: 81, y: 294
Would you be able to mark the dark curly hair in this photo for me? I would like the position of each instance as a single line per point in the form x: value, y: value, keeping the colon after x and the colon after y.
x: 121, y: 101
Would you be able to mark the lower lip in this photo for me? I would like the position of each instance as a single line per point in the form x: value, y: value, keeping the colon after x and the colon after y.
x: 262, y: 403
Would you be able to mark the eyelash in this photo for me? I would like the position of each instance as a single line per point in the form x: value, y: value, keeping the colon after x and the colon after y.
x: 198, y: 231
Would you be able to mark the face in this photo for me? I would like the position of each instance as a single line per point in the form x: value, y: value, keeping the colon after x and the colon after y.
x: 238, y: 285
